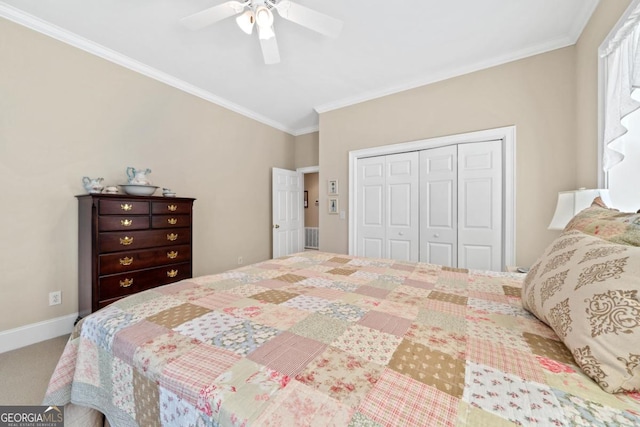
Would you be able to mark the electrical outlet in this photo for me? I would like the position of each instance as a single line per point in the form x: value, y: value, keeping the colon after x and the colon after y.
x: 240, y: 260
x: 55, y: 298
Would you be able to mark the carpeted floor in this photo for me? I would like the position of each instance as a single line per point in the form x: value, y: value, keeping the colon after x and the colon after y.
x: 25, y: 372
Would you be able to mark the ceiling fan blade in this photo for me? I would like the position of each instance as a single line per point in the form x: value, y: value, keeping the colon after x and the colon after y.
x: 212, y: 15
x: 270, y: 50
x: 316, y: 21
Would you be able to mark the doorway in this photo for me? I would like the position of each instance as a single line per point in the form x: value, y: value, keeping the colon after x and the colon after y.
x: 311, y: 210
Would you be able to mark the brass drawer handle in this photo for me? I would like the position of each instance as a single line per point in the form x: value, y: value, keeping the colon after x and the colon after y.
x: 171, y: 237
x: 126, y: 283
x: 126, y: 222
x: 172, y: 273
x: 172, y: 221
x: 126, y: 241
x: 172, y: 208
x: 172, y: 254
x: 126, y: 207
x: 126, y: 261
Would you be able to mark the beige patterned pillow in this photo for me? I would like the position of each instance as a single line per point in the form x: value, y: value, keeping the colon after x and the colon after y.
x: 608, y: 224
x: 588, y: 291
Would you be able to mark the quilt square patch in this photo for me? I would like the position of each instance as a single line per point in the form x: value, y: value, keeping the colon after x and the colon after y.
x: 244, y: 337
x: 217, y: 300
x: 153, y: 355
x: 368, y: 344
x: 312, y: 408
x: 446, y: 297
x: 127, y: 340
x: 372, y: 291
x: 431, y: 367
x: 507, y: 359
x: 340, y: 310
x: 308, y: 303
x: 320, y: 328
x: 193, y: 371
x: 274, y: 296
x: 342, y: 271
x: 449, y: 322
x: 385, y: 322
x: 146, y: 398
x: 549, y: 348
x: 287, y: 353
x: 437, y: 338
x: 290, y: 278
x: 397, y: 400
x: 344, y: 377
x: 280, y: 317
x: 178, y: 315
x: 509, y: 396
x: 207, y: 326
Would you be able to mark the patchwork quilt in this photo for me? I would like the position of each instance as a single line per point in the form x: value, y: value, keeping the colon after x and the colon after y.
x: 319, y: 339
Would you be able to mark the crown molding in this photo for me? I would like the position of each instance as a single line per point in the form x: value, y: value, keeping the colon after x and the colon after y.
x: 27, y: 20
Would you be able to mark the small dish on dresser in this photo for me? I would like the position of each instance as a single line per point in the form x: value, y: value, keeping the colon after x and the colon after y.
x: 138, y: 189
x: 169, y: 194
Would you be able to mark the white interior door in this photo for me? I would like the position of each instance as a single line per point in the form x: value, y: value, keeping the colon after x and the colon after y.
x: 287, y: 187
x: 480, y: 205
x: 439, y: 206
x: 388, y: 200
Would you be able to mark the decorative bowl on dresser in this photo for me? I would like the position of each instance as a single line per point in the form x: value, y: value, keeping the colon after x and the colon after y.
x: 127, y: 244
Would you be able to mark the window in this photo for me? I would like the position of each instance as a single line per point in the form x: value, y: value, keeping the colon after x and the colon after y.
x: 620, y: 107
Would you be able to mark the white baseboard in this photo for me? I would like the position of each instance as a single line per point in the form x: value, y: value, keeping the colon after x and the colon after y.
x: 30, y: 334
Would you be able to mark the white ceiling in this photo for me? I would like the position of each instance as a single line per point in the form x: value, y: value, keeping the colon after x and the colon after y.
x: 384, y: 47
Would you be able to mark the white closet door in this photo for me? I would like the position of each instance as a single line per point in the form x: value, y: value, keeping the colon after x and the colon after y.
x: 439, y: 206
x: 371, y: 213
x: 387, y: 224
x: 402, y: 206
x: 480, y: 205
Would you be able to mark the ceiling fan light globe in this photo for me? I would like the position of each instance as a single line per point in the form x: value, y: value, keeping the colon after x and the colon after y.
x: 264, y: 17
x: 246, y: 21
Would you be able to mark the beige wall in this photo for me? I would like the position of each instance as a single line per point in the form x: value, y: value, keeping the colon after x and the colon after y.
x: 551, y: 99
x: 307, y: 150
x: 65, y: 114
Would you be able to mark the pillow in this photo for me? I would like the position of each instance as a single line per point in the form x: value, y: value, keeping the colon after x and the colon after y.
x: 588, y: 291
x: 608, y: 224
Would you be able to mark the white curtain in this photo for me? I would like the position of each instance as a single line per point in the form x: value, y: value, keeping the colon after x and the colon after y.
x: 622, y: 71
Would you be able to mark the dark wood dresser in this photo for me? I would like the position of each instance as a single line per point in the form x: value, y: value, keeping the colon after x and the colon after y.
x: 127, y: 244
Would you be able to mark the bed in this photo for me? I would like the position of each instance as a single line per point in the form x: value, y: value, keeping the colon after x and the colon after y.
x: 319, y: 339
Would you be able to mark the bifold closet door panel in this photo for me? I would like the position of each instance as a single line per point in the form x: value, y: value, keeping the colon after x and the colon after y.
x: 371, y: 196
x: 480, y: 213
x: 402, y: 206
x: 439, y: 206
x: 388, y: 222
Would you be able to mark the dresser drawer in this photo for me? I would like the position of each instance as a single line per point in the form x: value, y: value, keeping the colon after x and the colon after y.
x: 123, y: 207
x: 127, y: 240
x: 135, y: 260
x: 120, y: 285
x: 170, y: 207
x: 170, y: 221
x: 116, y: 223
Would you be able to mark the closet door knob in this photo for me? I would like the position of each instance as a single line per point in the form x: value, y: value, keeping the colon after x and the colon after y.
x: 401, y: 234
x: 436, y: 235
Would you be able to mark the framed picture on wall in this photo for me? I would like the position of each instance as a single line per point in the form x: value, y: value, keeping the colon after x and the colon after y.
x: 333, y: 205
x: 333, y: 187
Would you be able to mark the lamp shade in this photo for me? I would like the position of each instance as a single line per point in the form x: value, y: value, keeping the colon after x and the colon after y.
x: 572, y: 202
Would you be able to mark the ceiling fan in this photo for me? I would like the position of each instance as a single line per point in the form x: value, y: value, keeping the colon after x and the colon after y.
x: 260, y: 13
